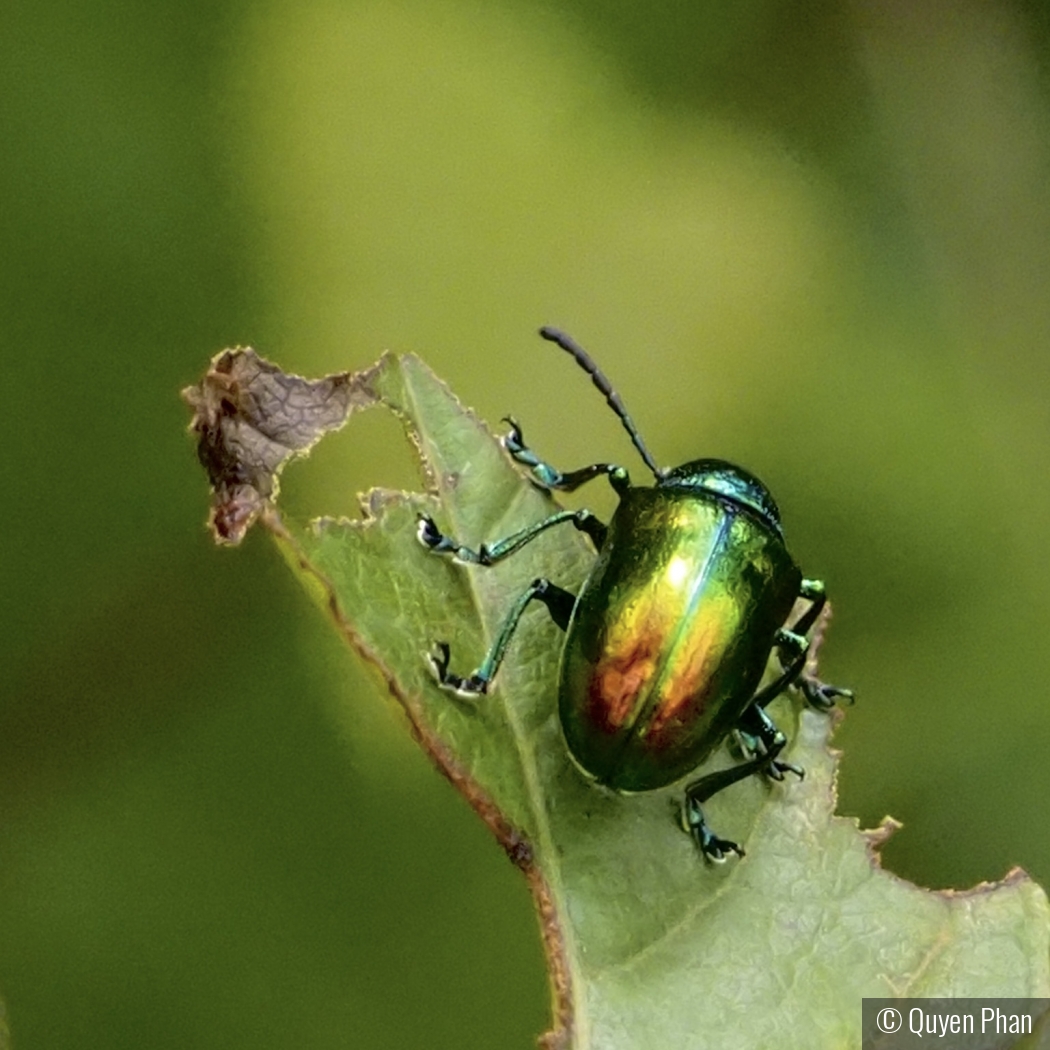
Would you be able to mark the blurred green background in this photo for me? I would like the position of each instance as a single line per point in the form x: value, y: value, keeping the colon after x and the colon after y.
x: 814, y: 239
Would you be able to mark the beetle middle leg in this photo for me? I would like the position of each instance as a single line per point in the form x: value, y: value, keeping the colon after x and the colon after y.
x: 559, y: 604
x: 763, y: 743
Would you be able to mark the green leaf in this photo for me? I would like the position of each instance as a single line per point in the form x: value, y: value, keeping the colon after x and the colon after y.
x: 648, y: 945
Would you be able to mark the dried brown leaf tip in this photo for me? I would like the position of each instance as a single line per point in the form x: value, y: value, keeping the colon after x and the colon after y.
x: 250, y: 418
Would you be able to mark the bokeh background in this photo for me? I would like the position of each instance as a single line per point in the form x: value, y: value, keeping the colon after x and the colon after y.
x: 814, y: 239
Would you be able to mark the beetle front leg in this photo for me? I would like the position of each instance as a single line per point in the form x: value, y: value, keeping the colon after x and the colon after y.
x: 712, y: 847
x: 548, y: 477
x: 559, y: 604
x: 436, y: 542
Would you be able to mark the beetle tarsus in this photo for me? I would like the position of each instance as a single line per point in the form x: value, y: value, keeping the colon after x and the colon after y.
x: 427, y: 532
x: 549, y: 478
x: 821, y: 695
x: 470, y: 687
x: 543, y: 474
x: 513, y: 441
x: 777, y: 769
x: 717, y: 850
x: 713, y: 848
x: 431, y: 537
x: 750, y: 747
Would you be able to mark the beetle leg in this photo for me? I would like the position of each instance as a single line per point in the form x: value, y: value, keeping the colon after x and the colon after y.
x: 798, y: 646
x: 812, y: 591
x: 559, y: 604
x: 819, y: 694
x: 701, y: 790
x: 756, y: 728
x: 548, y: 477
x: 435, y: 541
x: 760, y: 736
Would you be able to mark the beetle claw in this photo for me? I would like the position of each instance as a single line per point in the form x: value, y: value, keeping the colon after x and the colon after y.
x: 778, y: 769
x: 438, y: 658
x: 717, y: 850
x: 713, y: 848
x: 435, y: 540
x: 513, y: 441
x: 427, y: 532
x: 821, y: 695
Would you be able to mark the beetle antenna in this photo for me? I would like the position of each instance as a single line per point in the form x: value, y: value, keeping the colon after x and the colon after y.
x: 584, y: 360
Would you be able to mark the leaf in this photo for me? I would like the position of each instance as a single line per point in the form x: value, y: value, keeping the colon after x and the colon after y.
x: 250, y: 419
x: 647, y: 944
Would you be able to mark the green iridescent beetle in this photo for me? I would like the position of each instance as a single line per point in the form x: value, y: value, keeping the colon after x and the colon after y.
x: 670, y: 635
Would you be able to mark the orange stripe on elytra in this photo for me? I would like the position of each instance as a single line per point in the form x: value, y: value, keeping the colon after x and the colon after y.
x: 692, y: 663
x: 629, y: 662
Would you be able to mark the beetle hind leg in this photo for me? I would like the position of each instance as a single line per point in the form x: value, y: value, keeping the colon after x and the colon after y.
x: 559, y: 603
x: 712, y: 847
x: 435, y: 541
x: 698, y: 792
